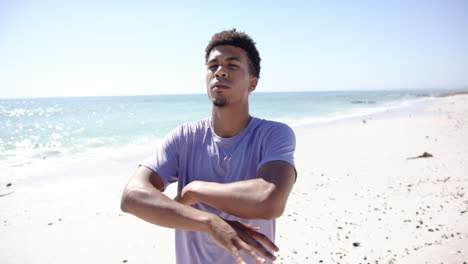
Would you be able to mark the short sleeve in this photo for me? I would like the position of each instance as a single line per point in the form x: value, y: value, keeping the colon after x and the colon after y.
x: 279, y: 144
x: 164, y: 161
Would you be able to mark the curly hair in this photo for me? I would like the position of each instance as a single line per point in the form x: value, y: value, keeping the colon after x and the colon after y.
x: 240, y: 40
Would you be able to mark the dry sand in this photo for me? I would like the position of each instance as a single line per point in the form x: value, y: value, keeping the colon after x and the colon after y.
x: 358, y: 199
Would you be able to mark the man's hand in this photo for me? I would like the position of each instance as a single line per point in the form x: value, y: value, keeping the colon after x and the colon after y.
x: 186, y: 195
x: 235, y: 236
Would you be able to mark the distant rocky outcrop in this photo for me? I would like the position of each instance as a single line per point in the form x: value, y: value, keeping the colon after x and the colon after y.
x: 363, y: 102
x: 451, y: 94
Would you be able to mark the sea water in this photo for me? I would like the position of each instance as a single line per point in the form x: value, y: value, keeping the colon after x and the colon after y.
x: 63, y: 129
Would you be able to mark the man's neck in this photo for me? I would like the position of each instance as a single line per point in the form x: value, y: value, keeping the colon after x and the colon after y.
x: 228, y: 122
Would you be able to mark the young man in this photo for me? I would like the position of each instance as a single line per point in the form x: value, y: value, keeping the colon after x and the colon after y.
x: 234, y: 171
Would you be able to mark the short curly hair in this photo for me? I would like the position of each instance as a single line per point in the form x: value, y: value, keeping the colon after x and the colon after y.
x: 240, y: 40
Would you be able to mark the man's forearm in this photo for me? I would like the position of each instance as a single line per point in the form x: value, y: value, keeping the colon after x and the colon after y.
x: 155, y: 207
x: 251, y: 199
x: 264, y: 197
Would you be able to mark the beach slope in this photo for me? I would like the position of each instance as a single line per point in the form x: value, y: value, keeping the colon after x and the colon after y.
x: 363, y: 195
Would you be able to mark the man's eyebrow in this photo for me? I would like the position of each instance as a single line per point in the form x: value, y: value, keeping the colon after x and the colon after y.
x: 212, y: 60
x: 233, y: 58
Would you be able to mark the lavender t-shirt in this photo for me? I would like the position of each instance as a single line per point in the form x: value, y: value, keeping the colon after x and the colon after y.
x: 192, y: 151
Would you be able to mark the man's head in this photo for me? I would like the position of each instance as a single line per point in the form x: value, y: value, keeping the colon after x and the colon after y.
x: 240, y: 40
x: 233, y: 67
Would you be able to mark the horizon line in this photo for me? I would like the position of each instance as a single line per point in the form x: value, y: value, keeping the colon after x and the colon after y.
x: 464, y: 88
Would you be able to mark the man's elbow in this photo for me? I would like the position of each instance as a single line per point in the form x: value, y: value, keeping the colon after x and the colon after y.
x: 272, y: 204
x: 271, y: 210
x: 128, y: 199
x: 124, y: 201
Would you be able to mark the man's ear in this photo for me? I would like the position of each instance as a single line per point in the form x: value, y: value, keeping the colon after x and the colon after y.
x: 253, y: 84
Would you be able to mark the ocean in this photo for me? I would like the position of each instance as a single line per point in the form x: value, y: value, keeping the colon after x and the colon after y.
x: 65, y: 129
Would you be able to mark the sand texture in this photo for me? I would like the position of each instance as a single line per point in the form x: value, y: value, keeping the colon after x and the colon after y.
x: 358, y: 199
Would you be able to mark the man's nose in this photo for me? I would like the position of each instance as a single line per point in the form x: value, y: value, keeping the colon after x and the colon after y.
x: 220, y: 72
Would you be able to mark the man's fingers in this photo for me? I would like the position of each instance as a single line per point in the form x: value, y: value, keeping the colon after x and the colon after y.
x: 256, y: 246
x: 250, y: 251
x: 249, y: 237
x: 183, y: 200
x: 254, y: 228
x: 236, y: 254
x: 259, y: 237
x: 250, y: 241
x: 264, y: 240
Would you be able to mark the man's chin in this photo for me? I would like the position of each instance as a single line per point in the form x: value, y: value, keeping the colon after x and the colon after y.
x: 219, y: 102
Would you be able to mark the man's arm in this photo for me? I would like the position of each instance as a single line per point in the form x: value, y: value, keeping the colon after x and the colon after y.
x: 143, y: 198
x: 262, y: 198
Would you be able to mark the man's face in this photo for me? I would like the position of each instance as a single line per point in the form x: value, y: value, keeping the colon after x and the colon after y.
x: 228, y: 80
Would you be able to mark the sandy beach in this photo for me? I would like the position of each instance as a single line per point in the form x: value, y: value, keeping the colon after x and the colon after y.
x: 362, y: 196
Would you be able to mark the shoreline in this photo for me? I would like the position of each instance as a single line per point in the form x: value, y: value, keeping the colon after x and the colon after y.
x: 48, y: 170
x: 414, y: 109
x: 357, y: 199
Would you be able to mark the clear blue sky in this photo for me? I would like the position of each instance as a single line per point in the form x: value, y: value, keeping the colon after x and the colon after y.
x: 87, y: 48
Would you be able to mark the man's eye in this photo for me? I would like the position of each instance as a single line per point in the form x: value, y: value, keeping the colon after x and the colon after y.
x: 213, y: 67
x: 233, y: 66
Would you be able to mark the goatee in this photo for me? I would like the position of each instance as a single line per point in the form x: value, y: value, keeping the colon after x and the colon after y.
x: 219, y: 102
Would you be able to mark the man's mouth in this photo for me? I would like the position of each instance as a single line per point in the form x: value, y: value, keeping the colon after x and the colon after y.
x: 220, y: 86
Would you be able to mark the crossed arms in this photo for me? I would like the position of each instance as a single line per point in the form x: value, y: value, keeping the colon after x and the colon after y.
x: 262, y: 198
